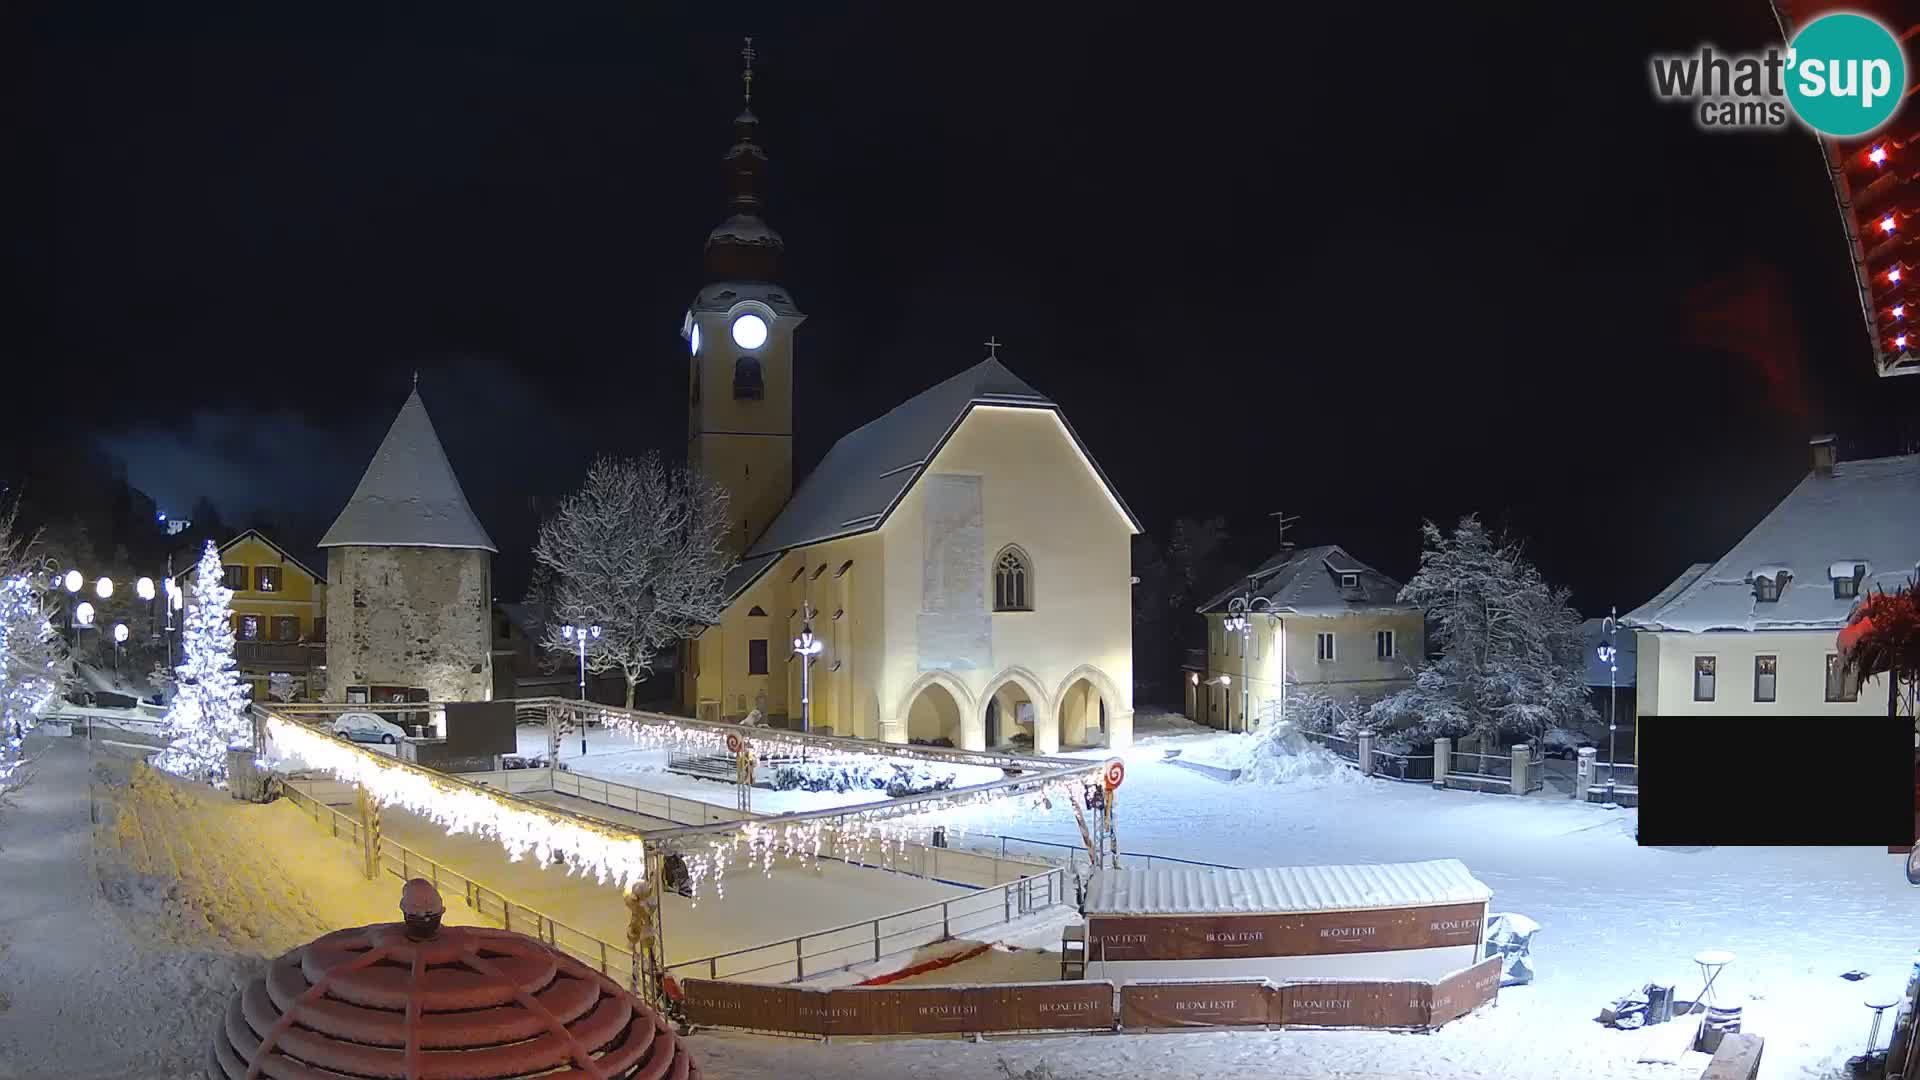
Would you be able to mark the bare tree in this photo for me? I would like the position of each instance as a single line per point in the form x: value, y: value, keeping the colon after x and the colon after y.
x: 640, y: 552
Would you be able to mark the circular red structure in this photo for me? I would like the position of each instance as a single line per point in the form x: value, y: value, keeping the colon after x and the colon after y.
x: 733, y: 743
x: 1116, y: 772
x: 446, y: 1003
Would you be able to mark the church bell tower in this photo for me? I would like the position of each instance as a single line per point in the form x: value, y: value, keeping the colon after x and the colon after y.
x: 739, y: 332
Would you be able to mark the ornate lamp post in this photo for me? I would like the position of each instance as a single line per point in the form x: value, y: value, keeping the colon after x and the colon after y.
x: 1610, y: 656
x: 806, y: 647
x: 580, y: 635
x: 1237, y: 622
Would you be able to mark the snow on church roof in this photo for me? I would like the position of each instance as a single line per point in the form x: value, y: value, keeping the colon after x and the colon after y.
x: 409, y: 496
x: 1284, y: 889
x: 1867, y: 511
x: 871, y: 468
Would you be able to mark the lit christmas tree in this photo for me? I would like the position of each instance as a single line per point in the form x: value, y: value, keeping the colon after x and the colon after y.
x: 30, y: 657
x: 209, y: 710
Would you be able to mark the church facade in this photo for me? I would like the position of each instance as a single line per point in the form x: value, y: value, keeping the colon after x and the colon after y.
x: 962, y: 563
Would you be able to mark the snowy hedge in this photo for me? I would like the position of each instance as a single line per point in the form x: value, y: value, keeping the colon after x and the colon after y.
x: 897, y: 779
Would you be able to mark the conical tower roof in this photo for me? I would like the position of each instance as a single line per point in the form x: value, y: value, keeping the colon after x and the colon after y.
x: 409, y: 496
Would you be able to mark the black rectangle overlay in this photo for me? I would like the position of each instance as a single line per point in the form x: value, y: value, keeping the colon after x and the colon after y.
x: 1733, y: 781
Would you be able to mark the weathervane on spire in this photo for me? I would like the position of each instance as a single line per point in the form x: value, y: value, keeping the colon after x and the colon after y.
x: 747, y: 54
x: 993, y: 347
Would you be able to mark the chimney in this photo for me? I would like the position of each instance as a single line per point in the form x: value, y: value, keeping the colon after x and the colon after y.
x: 1825, y: 453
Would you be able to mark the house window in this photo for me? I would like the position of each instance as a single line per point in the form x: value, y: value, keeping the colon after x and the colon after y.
x: 757, y: 612
x: 801, y: 569
x: 757, y: 656
x: 844, y: 567
x: 1012, y: 581
x: 236, y: 578
x: 1383, y: 644
x: 1766, y: 589
x: 1703, y: 669
x: 1349, y: 581
x: 320, y: 629
x: 1323, y: 648
x: 266, y: 578
x: 747, y: 383
x: 1842, y: 685
x: 1764, y: 670
x: 1846, y: 588
x: 246, y: 627
x: 821, y: 569
x: 286, y: 628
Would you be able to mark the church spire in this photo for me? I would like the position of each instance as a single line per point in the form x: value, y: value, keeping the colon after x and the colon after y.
x: 744, y: 247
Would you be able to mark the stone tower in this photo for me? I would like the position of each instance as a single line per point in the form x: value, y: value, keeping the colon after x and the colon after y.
x: 410, y: 572
x: 739, y: 330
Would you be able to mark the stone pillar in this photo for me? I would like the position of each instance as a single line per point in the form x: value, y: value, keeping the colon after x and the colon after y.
x: 1521, y: 754
x: 1583, y: 772
x: 1366, y: 752
x: 1119, y: 730
x: 1442, y: 761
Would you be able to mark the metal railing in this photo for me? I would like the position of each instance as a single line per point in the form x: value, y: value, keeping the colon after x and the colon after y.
x: 822, y: 952
x: 1417, y: 768
x: 1128, y: 858
x: 1625, y: 776
x: 676, y: 809
x: 1346, y: 749
x: 406, y: 864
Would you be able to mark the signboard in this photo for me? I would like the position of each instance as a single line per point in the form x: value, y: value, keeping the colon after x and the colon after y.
x: 1353, y: 1003
x: 918, y: 1010
x: 1207, y: 1004
x: 1060, y: 1006
x: 712, y: 1003
x: 1464, y: 991
x: 1319, y: 933
x: 481, y: 728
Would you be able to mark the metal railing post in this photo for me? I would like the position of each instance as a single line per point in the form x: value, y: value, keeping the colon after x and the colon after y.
x: 946, y: 925
x: 799, y: 960
x: 876, y: 940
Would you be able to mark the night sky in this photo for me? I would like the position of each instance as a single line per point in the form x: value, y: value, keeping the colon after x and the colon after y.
x: 1364, y: 266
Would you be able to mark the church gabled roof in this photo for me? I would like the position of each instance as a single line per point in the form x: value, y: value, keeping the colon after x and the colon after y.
x: 866, y: 474
x: 409, y: 496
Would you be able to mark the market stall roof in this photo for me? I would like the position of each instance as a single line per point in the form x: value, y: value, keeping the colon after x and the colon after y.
x: 1282, y: 889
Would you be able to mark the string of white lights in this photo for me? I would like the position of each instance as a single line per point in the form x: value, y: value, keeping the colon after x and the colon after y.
x: 611, y: 856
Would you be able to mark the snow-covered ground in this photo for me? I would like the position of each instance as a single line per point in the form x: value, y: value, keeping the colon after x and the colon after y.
x: 1614, y: 916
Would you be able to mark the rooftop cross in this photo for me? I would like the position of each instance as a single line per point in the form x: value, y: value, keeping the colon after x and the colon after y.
x: 747, y: 54
x: 993, y: 347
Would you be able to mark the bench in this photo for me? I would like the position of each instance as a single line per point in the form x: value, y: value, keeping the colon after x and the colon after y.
x: 1737, y: 1059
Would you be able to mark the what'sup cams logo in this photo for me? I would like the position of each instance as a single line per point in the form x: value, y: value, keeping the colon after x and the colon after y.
x: 1842, y: 75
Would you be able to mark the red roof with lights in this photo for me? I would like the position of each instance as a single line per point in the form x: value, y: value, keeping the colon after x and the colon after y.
x: 1876, y: 182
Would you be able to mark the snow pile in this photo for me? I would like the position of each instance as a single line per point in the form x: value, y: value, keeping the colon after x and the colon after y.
x: 1279, y: 755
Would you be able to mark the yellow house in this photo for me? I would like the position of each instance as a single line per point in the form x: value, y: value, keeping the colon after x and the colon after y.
x: 279, y: 613
x: 1317, y: 616
x: 961, y: 564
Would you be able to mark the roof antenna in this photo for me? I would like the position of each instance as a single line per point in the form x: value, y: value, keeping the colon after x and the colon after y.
x: 1281, y: 519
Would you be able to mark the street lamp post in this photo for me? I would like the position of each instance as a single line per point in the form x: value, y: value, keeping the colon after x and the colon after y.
x: 1610, y: 657
x: 580, y: 635
x: 1237, y: 621
x: 806, y: 647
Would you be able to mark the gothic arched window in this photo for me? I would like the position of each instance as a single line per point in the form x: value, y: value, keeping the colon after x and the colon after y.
x: 747, y: 384
x: 1012, y: 580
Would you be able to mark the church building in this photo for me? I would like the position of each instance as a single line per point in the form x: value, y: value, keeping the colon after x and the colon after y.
x: 960, y: 566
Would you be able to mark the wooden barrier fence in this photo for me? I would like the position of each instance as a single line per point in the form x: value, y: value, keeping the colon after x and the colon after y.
x: 1090, y: 1005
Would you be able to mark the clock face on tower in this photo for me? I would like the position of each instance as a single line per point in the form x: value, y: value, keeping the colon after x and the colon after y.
x: 749, y: 331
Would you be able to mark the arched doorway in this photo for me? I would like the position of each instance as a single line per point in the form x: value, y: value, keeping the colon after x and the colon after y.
x: 934, y: 715
x: 1086, y: 708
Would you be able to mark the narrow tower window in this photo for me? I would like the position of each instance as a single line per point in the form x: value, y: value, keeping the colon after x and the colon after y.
x: 1012, y: 580
x: 747, y: 383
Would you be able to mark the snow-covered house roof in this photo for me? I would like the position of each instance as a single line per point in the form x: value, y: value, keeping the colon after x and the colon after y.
x: 191, y: 557
x: 866, y: 474
x: 1626, y: 650
x: 1282, y: 890
x: 409, y: 496
x: 1310, y: 582
x: 1864, y: 512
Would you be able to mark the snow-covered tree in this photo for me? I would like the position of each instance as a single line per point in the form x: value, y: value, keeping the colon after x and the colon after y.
x: 1512, y: 657
x: 640, y: 552
x: 32, y: 657
x: 208, y: 713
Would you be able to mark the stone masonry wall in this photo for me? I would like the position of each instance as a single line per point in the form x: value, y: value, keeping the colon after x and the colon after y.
x: 410, y: 616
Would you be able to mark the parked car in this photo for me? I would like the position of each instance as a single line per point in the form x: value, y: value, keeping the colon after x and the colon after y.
x: 367, y: 727
x: 1561, y: 743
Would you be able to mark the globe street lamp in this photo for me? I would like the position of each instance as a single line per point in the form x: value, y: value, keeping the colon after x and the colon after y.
x: 104, y: 588
x: 144, y: 588
x: 83, y: 615
x: 580, y: 635
x: 1610, y: 656
x: 73, y: 581
x: 806, y: 647
x: 119, y: 640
